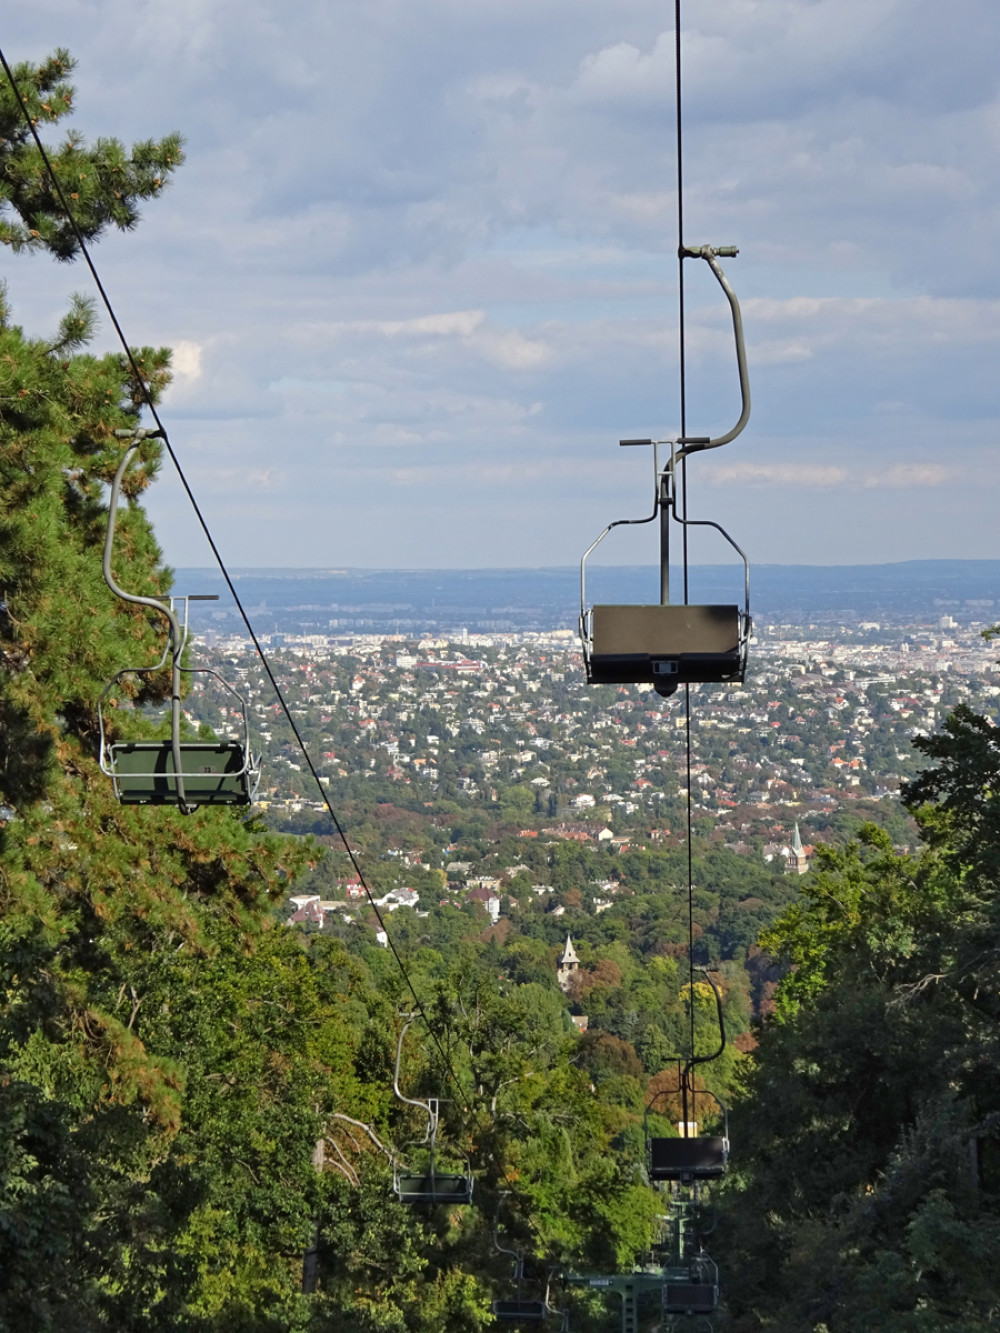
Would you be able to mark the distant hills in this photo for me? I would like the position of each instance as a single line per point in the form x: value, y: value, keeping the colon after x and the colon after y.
x: 483, y: 600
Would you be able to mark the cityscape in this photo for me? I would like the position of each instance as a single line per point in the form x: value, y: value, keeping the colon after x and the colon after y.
x: 495, y: 749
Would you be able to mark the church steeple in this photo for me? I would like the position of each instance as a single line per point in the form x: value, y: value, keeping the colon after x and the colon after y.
x: 568, y: 963
x: 798, y: 861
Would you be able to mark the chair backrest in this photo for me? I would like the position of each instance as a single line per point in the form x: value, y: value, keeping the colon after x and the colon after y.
x: 522, y: 1311
x: 438, y: 1188
x: 214, y: 773
x: 688, y: 1159
x: 690, y: 1298
x: 666, y: 631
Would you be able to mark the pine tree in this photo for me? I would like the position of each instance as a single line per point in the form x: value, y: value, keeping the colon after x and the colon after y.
x: 103, y: 182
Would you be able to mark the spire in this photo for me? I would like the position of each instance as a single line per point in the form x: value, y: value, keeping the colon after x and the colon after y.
x: 798, y: 861
x: 568, y: 953
x: 567, y: 965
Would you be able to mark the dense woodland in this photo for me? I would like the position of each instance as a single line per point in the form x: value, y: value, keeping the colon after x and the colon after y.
x: 199, y: 1121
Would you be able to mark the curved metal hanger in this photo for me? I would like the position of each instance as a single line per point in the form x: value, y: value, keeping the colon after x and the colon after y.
x: 175, y: 644
x: 693, y: 443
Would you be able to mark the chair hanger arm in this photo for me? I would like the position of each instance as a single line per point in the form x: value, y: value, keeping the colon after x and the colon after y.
x: 695, y: 444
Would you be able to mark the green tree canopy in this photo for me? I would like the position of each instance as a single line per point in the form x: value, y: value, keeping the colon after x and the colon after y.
x: 866, y: 1191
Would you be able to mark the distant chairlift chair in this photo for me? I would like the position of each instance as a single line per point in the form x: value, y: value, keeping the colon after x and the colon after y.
x: 668, y: 645
x: 690, y: 1159
x: 696, y: 1292
x: 186, y: 774
x: 431, y: 1186
x: 520, y: 1309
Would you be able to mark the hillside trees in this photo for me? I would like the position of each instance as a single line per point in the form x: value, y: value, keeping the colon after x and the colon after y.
x: 868, y: 1193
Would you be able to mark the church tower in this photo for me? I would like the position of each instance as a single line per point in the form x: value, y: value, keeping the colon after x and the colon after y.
x: 797, y: 863
x: 567, y: 965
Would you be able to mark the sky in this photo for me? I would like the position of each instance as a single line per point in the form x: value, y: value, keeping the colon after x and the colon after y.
x: 419, y: 270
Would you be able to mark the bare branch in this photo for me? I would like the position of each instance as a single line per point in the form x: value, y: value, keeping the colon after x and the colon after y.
x: 360, y: 1124
x: 343, y: 1166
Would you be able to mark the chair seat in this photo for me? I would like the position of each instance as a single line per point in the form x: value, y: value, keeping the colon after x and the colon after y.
x: 214, y: 773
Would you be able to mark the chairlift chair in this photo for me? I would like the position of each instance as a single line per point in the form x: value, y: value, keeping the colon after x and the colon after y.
x: 521, y: 1309
x: 186, y: 774
x: 430, y: 1186
x: 694, y: 1292
x: 690, y: 1158
x: 690, y: 1298
x: 673, y: 644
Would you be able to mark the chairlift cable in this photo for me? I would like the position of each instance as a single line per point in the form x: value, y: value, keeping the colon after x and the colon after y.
x: 684, y: 504
x: 682, y: 348
x: 161, y: 433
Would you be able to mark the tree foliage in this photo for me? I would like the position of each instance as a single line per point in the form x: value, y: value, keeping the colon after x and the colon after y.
x: 103, y: 182
x: 867, y: 1194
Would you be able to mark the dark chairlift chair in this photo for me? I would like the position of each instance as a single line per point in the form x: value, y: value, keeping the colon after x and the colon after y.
x: 521, y: 1309
x: 689, y: 1298
x: 697, y: 1292
x: 172, y: 772
x: 689, y: 1159
x: 668, y: 645
x: 429, y: 1186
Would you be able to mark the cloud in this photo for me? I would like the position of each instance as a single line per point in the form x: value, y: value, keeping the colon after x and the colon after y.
x: 819, y: 476
x: 483, y: 473
x: 512, y: 350
x: 623, y: 72
x: 186, y: 360
x: 411, y: 235
x: 903, y: 476
x: 226, y: 479
x: 812, y: 475
x: 461, y: 323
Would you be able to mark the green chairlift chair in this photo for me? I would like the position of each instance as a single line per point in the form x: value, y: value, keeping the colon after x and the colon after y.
x: 185, y: 774
x: 429, y: 1185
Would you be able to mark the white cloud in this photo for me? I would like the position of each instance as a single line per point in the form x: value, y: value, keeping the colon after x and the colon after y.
x: 623, y: 72
x: 903, y: 476
x: 186, y: 360
x: 511, y: 350
x: 819, y: 476
x: 811, y: 475
x: 462, y: 323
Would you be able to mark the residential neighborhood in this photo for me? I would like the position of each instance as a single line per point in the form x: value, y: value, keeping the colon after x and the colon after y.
x: 436, y: 751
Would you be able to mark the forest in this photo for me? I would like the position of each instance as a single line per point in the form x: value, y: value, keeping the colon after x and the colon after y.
x: 201, y: 1129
